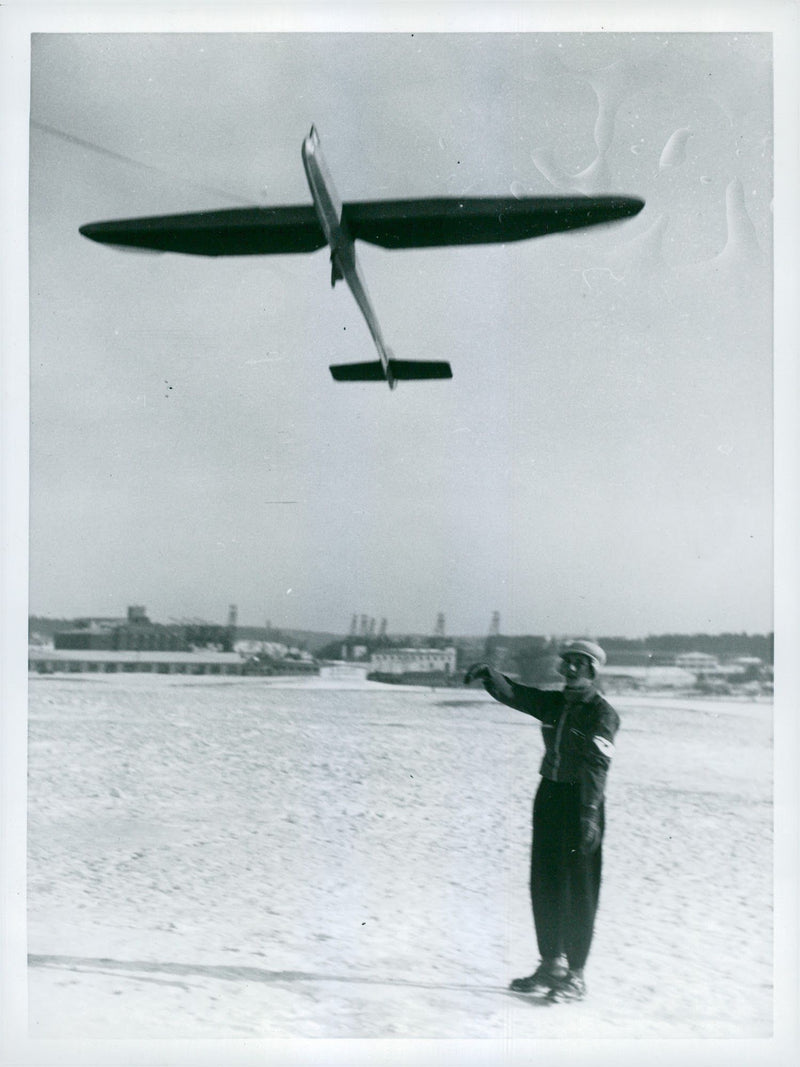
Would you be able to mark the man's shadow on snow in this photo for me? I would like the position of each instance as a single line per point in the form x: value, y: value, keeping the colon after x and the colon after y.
x: 143, y: 970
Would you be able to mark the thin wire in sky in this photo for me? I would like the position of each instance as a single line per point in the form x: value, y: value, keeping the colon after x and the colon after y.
x: 120, y: 158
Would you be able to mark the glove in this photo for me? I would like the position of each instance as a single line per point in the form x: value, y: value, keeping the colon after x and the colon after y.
x: 590, y: 833
x: 477, y: 672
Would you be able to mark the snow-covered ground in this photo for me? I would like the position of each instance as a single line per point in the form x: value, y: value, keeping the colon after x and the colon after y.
x: 251, y: 858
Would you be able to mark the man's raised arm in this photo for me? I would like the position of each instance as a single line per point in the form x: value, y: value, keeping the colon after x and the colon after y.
x: 522, y: 698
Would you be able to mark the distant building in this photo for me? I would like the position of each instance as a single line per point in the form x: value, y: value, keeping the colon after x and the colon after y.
x: 114, y: 661
x: 86, y: 634
x: 137, y: 633
x: 414, y: 661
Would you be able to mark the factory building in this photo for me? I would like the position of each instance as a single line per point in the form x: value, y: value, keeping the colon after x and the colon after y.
x: 102, y: 661
x: 399, y: 661
x: 136, y: 633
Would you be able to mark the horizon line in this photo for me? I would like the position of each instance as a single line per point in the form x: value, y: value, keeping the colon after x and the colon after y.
x: 344, y: 634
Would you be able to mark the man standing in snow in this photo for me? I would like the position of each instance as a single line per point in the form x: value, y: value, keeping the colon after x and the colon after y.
x: 578, y: 727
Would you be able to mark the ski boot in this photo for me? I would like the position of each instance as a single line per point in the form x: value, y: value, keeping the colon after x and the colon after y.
x: 547, y: 976
x: 570, y: 988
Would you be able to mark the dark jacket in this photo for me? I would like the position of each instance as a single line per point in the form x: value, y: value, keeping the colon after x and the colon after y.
x: 578, y: 734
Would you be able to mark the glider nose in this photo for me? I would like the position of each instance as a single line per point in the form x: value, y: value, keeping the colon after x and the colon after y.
x: 310, y: 146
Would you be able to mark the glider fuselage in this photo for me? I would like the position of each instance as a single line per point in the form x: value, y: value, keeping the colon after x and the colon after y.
x: 344, y: 264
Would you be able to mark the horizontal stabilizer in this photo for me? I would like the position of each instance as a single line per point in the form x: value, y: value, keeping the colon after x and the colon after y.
x: 359, y: 372
x: 401, y: 370
x: 405, y: 370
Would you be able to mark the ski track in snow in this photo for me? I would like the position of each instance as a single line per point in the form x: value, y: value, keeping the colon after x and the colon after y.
x: 250, y: 859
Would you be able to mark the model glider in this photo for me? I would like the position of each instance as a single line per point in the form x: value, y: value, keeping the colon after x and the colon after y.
x: 417, y: 223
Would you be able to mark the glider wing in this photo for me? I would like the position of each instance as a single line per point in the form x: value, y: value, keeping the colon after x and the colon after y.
x: 232, y: 232
x: 421, y: 223
x: 479, y: 220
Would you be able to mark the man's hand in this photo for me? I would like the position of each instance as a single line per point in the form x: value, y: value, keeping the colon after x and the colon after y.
x: 590, y: 833
x: 477, y: 672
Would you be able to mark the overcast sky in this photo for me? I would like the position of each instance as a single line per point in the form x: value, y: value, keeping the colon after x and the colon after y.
x: 601, y: 461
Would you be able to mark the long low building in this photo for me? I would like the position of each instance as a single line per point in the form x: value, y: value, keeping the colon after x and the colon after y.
x: 414, y: 661
x: 52, y: 660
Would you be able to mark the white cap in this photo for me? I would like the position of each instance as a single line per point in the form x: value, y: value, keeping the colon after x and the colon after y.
x: 592, y: 651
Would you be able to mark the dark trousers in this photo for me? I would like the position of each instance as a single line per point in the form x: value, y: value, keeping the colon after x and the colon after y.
x: 565, y: 884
